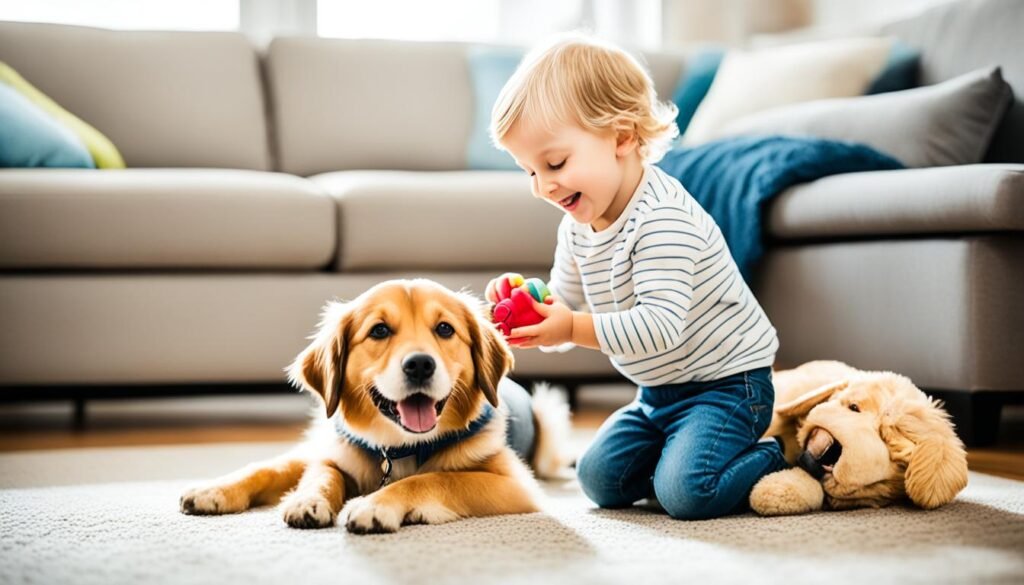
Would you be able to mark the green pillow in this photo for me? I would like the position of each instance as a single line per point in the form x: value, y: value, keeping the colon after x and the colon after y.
x: 29, y: 137
x: 102, y: 150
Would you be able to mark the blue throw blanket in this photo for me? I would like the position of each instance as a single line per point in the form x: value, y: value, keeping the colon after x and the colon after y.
x: 733, y: 178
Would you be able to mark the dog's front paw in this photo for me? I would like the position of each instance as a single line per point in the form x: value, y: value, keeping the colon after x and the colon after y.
x: 307, y: 512
x: 790, y: 491
x: 430, y: 514
x: 365, y: 515
x: 209, y: 500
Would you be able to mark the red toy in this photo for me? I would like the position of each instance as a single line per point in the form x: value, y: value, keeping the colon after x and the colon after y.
x: 515, y: 303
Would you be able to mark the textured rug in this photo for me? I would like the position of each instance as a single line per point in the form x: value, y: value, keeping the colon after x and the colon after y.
x: 130, y: 531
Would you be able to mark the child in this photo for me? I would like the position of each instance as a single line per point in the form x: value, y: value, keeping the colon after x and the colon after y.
x: 660, y: 294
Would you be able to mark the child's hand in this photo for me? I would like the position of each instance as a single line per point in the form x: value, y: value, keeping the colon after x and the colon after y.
x: 491, y: 292
x: 555, y: 329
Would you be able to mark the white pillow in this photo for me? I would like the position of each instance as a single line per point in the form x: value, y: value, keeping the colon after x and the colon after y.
x: 752, y: 81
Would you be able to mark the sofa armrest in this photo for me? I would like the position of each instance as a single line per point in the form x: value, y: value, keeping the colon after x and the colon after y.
x: 951, y: 200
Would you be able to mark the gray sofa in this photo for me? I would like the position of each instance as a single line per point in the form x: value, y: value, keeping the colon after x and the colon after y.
x: 264, y: 182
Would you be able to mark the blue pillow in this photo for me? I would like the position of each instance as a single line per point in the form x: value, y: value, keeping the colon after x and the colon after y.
x: 700, y: 72
x: 490, y: 68
x: 899, y: 73
x: 31, y: 138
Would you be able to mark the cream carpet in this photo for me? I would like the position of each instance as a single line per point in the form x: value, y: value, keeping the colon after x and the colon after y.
x: 110, y: 516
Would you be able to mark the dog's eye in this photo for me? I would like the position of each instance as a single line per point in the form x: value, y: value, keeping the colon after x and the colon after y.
x: 380, y: 331
x: 854, y: 408
x: 444, y: 330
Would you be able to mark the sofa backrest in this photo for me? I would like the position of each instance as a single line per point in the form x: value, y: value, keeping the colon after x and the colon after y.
x: 345, y: 104
x: 165, y: 99
x: 959, y: 37
x: 374, y: 104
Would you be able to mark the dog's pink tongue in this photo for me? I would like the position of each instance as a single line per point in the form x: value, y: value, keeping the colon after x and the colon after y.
x: 417, y: 413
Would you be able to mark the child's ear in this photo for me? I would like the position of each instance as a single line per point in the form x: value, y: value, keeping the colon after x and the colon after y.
x: 626, y: 141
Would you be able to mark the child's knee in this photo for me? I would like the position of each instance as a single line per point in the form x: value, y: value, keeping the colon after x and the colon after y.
x: 686, y: 502
x: 599, y: 482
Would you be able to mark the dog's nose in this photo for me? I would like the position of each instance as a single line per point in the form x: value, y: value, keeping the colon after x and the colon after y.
x: 418, y: 368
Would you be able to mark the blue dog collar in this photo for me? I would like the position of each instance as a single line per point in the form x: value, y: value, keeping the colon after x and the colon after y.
x: 422, y: 451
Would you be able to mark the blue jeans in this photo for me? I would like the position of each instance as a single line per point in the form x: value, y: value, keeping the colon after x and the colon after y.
x: 520, y: 434
x: 694, y: 446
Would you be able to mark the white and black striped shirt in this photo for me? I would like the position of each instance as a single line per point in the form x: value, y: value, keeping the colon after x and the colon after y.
x: 668, y: 301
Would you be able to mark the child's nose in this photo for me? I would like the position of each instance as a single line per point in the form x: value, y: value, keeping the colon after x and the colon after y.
x: 549, y: 188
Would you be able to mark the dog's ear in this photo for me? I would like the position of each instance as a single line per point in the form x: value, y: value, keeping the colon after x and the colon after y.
x: 808, y: 400
x: 492, y: 358
x: 320, y: 368
x: 936, y: 459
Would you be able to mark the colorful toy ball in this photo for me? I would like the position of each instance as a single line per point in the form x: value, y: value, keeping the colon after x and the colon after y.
x: 515, y: 303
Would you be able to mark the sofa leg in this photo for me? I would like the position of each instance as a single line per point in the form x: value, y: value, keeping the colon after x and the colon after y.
x: 78, y: 418
x: 573, y: 394
x: 975, y: 414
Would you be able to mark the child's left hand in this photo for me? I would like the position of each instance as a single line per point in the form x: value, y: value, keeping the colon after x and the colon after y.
x: 555, y: 329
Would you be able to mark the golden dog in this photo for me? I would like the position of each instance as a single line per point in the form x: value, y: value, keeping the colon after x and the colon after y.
x: 861, y: 439
x: 408, y: 374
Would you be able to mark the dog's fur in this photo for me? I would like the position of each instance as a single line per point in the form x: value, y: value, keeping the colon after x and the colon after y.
x: 350, y: 371
x: 896, y: 442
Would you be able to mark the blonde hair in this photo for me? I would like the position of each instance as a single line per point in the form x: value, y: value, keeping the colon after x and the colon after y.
x: 599, y: 86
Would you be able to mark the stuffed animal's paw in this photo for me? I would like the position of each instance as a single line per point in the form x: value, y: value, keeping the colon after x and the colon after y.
x: 790, y: 491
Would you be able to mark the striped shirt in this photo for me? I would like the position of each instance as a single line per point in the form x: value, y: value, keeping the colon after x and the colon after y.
x: 668, y: 301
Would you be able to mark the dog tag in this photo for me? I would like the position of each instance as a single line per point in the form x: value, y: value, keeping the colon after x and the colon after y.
x: 385, y: 469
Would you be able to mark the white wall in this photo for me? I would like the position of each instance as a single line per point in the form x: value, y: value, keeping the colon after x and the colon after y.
x: 730, y: 22
x: 734, y: 22
x: 850, y: 13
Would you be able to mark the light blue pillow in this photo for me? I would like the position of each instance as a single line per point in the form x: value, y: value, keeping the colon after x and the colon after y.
x: 29, y: 137
x: 490, y: 68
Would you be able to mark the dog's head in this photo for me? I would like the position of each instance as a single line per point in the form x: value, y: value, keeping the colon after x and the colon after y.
x: 404, y: 361
x: 875, y: 437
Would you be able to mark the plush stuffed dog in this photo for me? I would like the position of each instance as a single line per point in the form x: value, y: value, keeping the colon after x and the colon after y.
x: 859, y: 439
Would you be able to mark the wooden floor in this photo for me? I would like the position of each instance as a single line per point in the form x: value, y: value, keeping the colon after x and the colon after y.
x: 164, y: 421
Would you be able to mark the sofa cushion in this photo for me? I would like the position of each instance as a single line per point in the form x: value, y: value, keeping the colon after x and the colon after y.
x: 369, y: 104
x: 166, y: 99
x: 443, y: 220
x: 160, y: 218
x: 374, y: 104
x: 950, y: 200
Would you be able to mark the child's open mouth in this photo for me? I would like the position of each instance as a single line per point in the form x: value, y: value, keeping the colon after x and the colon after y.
x: 570, y: 202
